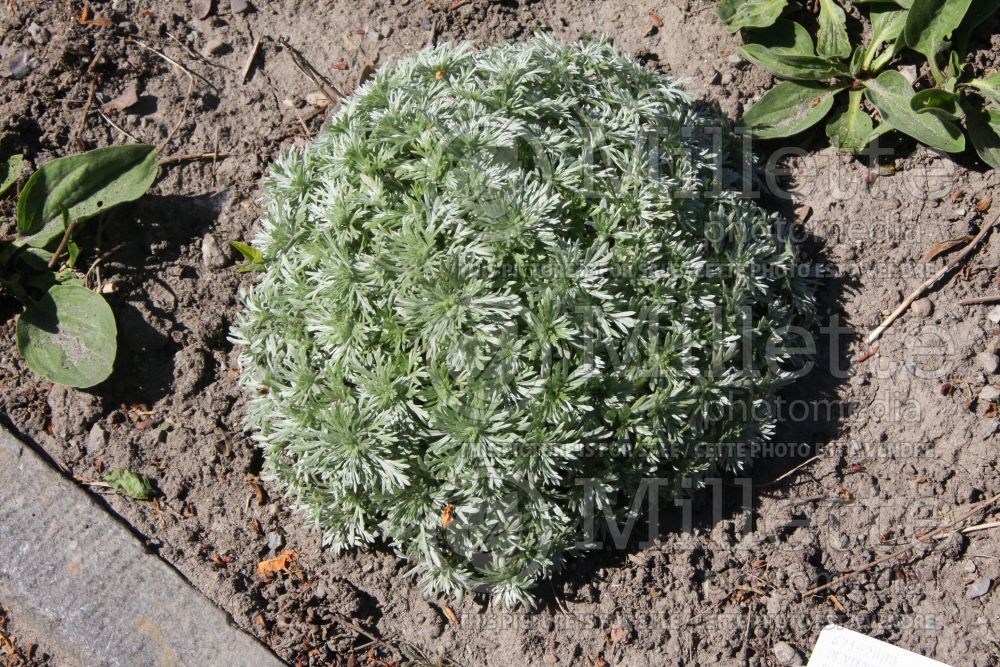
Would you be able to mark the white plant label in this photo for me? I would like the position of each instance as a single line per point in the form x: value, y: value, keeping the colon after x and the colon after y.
x: 840, y: 647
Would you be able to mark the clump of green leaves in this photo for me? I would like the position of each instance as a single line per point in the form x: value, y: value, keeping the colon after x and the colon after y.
x: 846, y: 80
x: 502, y: 289
x: 67, y: 333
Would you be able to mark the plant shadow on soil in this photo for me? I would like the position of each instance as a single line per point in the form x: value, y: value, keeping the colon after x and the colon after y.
x: 731, y: 496
x: 144, y: 369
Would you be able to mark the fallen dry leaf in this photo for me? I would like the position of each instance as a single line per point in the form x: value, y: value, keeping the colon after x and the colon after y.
x: 866, y: 355
x: 277, y: 564
x: 450, y: 614
x: 984, y: 204
x: 619, y: 635
x: 944, y: 247
x: 447, y: 516
x: 128, y: 97
x: 657, y: 21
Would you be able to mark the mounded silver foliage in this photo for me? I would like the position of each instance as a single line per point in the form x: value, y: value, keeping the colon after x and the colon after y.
x: 502, y: 288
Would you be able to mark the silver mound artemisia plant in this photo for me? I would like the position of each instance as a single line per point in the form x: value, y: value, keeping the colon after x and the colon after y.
x: 501, y: 288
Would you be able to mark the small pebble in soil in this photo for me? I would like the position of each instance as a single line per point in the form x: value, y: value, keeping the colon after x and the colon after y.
x: 212, y: 253
x: 923, y: 307
x: 275, y: 541
x: 19, y: 65
x: 213, y: 47
x: 39, y: 35
x: 549, y: 659
x: 989, y: 362
x: 786, y: 654
x: 860, y: 380
x: 994, y: 315
x: 989, y: 393
x: 979, y: 588
x: 238, y: 6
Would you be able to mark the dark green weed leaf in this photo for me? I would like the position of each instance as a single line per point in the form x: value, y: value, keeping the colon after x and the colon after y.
x: 10, y: 171
x: 131, y: 484
x: 888, y: 22
x: 789, y: 108
x: 738, y: 14
x: 890, y: 93
x: 941, y: 103
x: 784, y: 37
x: 86, y: 184
x: 850, y: 127
x: 929, y: 25
x: 988, y: 87
x: 984, y: 131
x: 68, y: 336
x: 805, y: 68
x: 831, y: 39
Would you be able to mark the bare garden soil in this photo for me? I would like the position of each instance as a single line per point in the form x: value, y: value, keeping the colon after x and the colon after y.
x: 873, y: 450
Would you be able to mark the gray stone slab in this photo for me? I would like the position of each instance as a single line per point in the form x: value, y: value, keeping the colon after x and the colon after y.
x: 87, y: 587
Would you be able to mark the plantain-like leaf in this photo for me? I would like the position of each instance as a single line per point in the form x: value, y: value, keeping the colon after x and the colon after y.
x: 784, y: 37
x: 804, y: 68
x: 85, y: 184
x: 850, y: 128
x: 982, y: 10
x: 929, y: 25
x: 984, y: 131
x: 10, y: 171
x: 831, y: 39
x: 789, y: 108
x: 890, y: 93
x: 988, y: 87
x: 887, y: 22
x: 737, y: 14
x: 941, y: 103
x: 69, y: 336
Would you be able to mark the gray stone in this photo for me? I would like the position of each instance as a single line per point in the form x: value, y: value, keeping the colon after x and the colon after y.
x: 97, y: 439
x: 39, y: 35
x: 988, y: 362
x: 238, y: 6
x: 989, y: 393
x: 214, y: 47
x: 923, y: 307
x: 275, y: 541
x: 979, y: 588
x: 994, y: 315
x: 786, y: 654
x: 58, y: 545
x: 213, y: 255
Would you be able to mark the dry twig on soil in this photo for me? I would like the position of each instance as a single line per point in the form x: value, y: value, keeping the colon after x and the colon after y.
x: 930, y: 282
x: 977, y: 507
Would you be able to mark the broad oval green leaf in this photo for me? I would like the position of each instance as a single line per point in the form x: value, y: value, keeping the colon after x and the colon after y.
x: 789, y: 108
x: 988, y: 87
x: 85, y: 184
x: 941, y: 103
x: 784, y: 37
x: 738, y: 14
x: 831, y: 38
x: 804, y: 68
x: 69, y: 336
x: 850, y: 127
x: 929, y: 24
x: 10, y: 171
x: 984, y: 131
x: 890, y: 93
